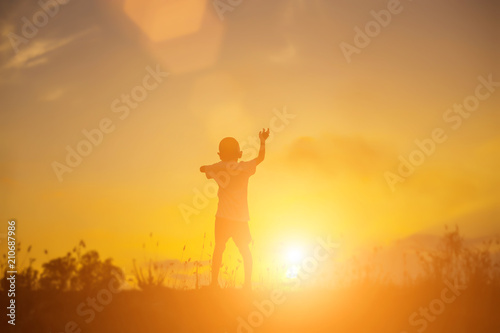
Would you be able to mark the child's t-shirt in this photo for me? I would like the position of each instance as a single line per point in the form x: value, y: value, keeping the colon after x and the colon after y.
x: 232, y: 178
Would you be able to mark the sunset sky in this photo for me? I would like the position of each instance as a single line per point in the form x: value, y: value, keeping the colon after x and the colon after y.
x: 324, y: 172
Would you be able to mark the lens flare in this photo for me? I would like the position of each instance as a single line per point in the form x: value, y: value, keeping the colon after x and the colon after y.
x: 294, y: 255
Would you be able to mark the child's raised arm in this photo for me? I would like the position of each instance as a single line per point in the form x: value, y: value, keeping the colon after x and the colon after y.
x: 263, y: 135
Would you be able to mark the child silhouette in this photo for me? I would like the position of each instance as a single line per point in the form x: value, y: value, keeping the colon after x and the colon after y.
x: 231, y: 220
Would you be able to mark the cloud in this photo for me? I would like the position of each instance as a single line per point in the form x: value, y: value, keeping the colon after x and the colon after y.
x: 476, y: 229
x: 36, y: 51
x: 479, y: 223
x: 9, y: 182
x: 336, y: 154
x: 285, y: 55
x: 53, y: 95
x: 448, y: 182
x: 11, y: 13
x: 5, y: 44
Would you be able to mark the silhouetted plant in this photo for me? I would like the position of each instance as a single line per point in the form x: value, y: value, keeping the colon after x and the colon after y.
x: 58, y: 274
x: 156, y: 273
x: 155, y: 276
x: 93, y: 273
x: 454, y: 260
x: 28, y: 278
x: 77, y: 271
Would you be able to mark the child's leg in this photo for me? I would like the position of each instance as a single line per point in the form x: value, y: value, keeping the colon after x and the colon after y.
x: 216, y: 261
x: 221, y: 238
x: 247, y: 263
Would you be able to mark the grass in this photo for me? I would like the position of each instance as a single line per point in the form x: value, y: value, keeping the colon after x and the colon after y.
x: 78, y: 292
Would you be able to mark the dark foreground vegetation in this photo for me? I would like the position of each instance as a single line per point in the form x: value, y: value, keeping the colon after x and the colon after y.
x: 457, y: 291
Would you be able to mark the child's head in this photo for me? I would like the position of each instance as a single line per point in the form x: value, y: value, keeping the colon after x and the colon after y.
x: 229, y: 149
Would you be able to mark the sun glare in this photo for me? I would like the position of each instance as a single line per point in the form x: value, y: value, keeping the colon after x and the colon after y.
x: 294, y: 255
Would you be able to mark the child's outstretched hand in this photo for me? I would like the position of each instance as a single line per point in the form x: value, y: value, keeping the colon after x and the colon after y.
x: 263, y: 135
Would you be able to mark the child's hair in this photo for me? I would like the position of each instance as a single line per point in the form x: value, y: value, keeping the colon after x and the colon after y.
x: 229, y: 149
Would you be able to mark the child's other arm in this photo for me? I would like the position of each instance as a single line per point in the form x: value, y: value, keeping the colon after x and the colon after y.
x: 204, y: 169
x: 263, y: 135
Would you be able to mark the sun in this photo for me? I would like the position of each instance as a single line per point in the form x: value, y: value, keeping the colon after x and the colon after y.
x: 294, y: 255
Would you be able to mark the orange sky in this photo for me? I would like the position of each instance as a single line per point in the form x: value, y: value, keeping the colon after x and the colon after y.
x: 324, y: 171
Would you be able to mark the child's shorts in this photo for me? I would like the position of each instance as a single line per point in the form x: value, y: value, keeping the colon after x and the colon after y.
x: 238, y: 230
